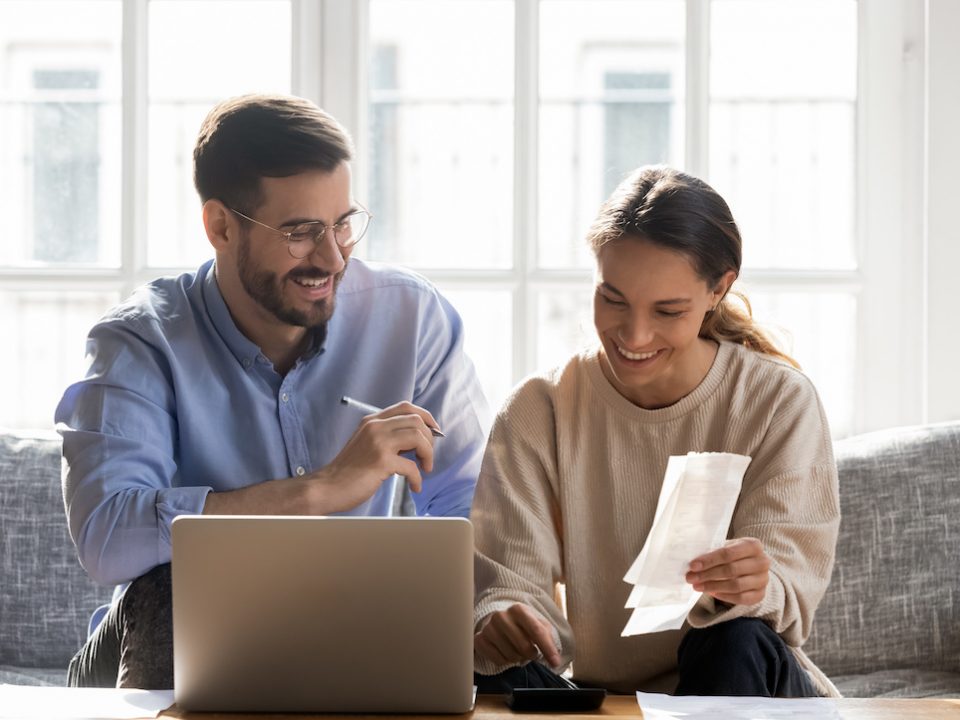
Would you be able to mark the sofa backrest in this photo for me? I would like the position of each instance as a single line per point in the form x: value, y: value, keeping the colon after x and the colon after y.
x: 894, y: 600
x: 45, y: 596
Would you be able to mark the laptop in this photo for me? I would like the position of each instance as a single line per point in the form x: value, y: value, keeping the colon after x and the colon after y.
x: 323, y: 614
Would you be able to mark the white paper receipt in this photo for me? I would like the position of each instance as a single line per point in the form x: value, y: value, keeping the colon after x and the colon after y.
x: 699, y: 493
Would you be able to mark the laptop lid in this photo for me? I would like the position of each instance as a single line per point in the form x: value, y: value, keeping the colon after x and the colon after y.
x: 322, y: 614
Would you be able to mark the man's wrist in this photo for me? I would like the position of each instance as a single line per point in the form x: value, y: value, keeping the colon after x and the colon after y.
x: 316, y: 497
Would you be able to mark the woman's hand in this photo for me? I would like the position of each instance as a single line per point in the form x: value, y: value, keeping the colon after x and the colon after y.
x: 736, y: 573
x: 516, y: 636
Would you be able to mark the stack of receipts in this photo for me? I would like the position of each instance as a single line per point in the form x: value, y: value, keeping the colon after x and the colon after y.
x: 699, y: 493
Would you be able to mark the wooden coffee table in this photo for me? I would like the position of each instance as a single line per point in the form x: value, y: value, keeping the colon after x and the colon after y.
x: 491, y: 707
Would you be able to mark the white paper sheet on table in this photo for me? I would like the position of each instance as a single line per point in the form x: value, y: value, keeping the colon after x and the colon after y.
x: 699, y: 493
x: 60, y: 703
x: 692, y: 707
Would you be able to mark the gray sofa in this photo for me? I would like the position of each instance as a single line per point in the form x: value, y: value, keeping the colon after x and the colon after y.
x: 45, y: 596
x: 889, y: 625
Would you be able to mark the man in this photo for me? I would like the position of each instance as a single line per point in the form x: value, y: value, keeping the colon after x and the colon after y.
x: 218, y: 391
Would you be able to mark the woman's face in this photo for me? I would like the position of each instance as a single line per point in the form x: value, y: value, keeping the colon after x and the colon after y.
x: 648, y: 307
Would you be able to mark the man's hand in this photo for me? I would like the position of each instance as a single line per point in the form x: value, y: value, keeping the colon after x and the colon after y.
x: 373, y: 454
x: 736, y: 573
x: 516, y: 635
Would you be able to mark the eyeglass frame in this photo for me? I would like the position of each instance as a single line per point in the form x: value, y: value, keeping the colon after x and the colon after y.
x: 319, y: 234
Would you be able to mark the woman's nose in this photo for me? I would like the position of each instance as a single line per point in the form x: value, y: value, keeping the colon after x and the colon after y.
x: 635, y: 332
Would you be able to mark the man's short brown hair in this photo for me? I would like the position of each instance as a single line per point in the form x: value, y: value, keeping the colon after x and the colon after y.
x: 250, y: 137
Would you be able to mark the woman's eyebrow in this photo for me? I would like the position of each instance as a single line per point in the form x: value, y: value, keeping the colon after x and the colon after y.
x: 672, y: 301
x: 610, y: 288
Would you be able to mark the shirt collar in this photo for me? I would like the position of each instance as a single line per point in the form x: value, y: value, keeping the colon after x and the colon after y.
x: 243, y: 348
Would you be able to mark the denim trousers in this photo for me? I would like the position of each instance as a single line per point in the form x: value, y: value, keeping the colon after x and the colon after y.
x: 738, y: 657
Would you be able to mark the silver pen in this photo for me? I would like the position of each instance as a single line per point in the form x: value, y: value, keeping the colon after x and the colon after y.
x: 368, y: 408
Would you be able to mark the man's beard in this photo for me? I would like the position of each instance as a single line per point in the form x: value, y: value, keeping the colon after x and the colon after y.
x: 267, y: 290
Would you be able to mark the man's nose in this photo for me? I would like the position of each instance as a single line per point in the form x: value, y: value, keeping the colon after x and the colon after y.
x: 327, y: 252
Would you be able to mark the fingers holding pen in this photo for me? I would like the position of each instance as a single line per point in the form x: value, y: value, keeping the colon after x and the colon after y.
x: 401, y: 408
x: 408, y: 408
x: 398, y: 434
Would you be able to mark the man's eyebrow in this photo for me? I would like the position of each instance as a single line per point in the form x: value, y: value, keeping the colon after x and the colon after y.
x: 313, y: 221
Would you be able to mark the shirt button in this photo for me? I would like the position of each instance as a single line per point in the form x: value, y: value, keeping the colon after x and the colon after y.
x: 301, y: 470
x: 247, y: 362
x: 284, y: 397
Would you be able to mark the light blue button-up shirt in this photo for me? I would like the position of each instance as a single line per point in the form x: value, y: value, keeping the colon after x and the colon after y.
x: 177, y: 402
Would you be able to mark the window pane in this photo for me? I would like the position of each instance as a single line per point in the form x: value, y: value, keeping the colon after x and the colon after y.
x: 782, y: 130
x: 60, y: 133
x: 819, y: 332
x: 192, y: 68
x: 487, y: 320
x: 45, y: 338
x: 611, y: 99
x: 564, y: 324
x: 441, y: 132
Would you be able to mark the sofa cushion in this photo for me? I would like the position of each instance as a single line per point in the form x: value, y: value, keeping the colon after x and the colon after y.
x: 32, y: 676
x: 45, y: 596
x: 900, y: 683
x: 894, y: 600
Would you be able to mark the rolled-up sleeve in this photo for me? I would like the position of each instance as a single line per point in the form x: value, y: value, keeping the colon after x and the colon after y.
x: 119, y: 449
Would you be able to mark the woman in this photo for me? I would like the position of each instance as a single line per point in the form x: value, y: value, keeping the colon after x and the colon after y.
x: 575, y: 461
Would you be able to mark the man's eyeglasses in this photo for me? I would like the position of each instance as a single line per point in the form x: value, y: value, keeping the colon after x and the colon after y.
x: 302, y: 239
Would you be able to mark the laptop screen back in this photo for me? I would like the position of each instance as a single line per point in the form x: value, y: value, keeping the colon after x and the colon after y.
x: 309, y: 614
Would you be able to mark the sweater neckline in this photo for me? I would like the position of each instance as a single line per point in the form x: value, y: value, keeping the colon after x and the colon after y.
x: 611, y: 396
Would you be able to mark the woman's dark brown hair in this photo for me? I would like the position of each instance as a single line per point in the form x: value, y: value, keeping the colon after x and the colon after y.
x: 679, y: 212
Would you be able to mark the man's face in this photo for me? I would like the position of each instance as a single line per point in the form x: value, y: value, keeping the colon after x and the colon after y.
x: 296, y: 292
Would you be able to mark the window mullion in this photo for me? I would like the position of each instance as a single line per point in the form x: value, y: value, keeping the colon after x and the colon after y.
x: 525, y: 205
x: 306, y: 48
x: 697, y: 88
x: 343, y: 38
x: 133, y: 240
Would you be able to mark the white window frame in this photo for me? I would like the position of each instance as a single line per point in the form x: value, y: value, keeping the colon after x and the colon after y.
x: 907, y: 241
x: 892, y: 369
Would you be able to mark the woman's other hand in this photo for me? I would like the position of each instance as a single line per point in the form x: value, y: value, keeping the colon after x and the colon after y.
x: 516, y: 636
x: 736, y: 573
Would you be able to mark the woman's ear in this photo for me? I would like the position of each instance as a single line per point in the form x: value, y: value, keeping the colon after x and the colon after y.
x: 216, y: 222
x: 723, y: 286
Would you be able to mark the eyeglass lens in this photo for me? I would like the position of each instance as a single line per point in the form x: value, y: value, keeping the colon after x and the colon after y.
x: 348, y: 232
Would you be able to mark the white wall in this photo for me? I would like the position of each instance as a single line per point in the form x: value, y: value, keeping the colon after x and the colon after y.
x: 942, y: 205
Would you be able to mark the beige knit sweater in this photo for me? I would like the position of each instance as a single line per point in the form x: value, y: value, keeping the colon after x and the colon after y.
x: 569, y: 486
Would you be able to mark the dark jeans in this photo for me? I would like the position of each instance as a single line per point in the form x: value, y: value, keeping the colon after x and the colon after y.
x: 738, y: 657
x: 133, y: 645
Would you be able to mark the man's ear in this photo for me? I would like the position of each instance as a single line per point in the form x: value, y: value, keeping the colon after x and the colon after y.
x: 217, y: 223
